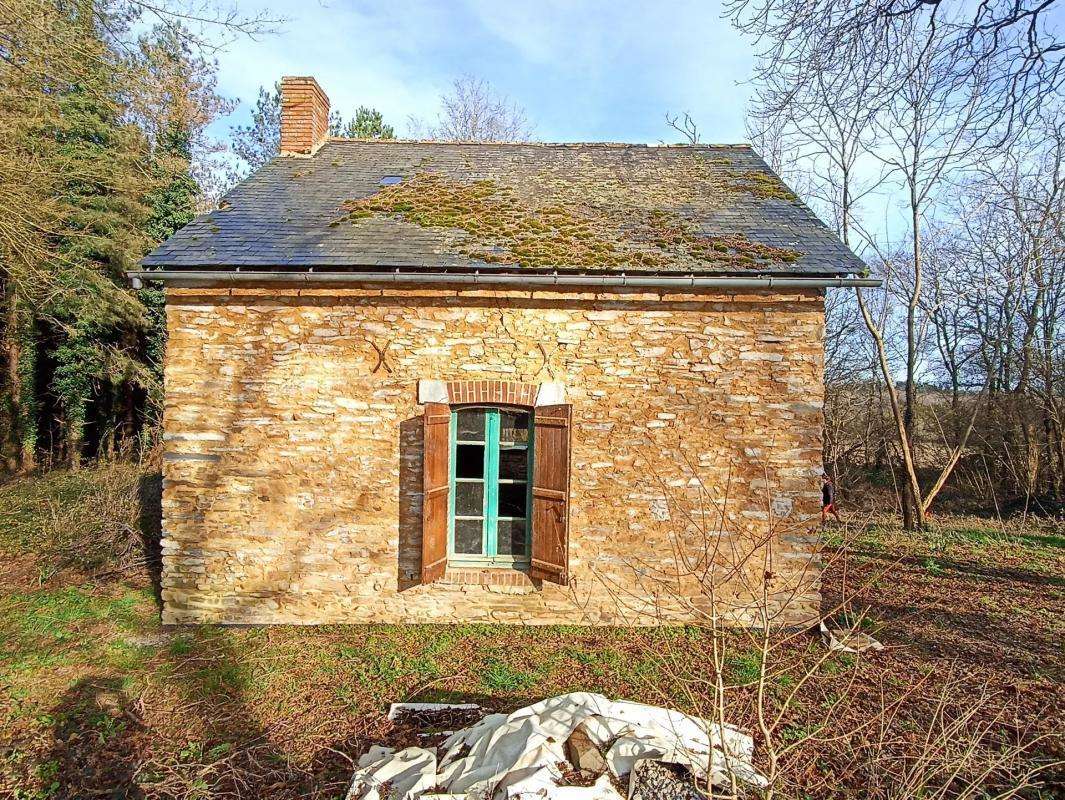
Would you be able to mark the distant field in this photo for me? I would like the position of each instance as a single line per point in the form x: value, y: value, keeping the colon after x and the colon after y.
x: 98, y: 699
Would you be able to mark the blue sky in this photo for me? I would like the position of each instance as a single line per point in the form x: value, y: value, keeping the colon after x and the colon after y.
x: 584, y: 71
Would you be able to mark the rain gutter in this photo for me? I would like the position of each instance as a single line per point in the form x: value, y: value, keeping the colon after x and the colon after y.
x: 196, y: 277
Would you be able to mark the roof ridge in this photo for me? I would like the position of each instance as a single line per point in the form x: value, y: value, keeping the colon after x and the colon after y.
x: 617, y: 145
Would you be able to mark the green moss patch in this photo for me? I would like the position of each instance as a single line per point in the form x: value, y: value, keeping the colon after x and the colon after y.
x: 555, y: 223
x: 760, y: 185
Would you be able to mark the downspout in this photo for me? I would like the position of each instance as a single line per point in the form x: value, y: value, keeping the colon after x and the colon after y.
x: 194, y: 277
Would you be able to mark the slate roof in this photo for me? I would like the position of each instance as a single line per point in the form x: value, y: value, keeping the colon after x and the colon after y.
x: 296, y: 212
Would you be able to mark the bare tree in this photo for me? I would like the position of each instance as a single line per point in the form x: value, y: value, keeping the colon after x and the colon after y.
x: 208, y: 25
x: 816, y: 136
x: 926, y: 132
x: 1014, y: 42
x: 472, y: 111
x: 685, y: 126
x: 826, y: 125
x: 927, y: 121
x: 1009, y: 256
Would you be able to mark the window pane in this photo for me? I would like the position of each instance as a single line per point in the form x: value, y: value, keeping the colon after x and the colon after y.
x: 512, y: 499
x: 513, y: 427
x: 469, y: 499
x: 468, y: 536
x: 471, y: 425
x: 513, y: 463
x: 511, y: 541
x: 469, y: 461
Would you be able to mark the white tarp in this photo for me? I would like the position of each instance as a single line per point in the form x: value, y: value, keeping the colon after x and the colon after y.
x: 517, y: 756
x: 848, y: 641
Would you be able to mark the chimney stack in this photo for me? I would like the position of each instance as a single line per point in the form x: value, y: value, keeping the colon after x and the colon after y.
x: 304, y: 116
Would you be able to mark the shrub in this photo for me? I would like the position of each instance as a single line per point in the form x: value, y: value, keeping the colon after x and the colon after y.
x: 97, y: 518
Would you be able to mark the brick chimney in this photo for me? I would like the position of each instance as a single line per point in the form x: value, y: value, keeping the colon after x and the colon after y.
x: 304, y: 116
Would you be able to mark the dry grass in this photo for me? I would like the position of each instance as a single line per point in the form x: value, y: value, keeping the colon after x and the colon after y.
x: 85, y: 522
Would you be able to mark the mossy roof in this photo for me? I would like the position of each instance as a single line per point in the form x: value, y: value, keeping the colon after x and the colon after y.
x: 582, y: 207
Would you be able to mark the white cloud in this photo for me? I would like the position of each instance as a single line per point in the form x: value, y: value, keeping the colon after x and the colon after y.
x: 588, y: 70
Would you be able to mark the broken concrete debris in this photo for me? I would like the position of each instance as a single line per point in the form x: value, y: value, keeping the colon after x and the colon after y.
x: 578, y: 746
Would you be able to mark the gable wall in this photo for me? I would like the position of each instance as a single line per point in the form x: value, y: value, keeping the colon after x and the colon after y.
x: 292, y: 461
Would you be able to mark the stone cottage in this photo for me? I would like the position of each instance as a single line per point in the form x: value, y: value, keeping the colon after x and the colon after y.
x: 524, y: 383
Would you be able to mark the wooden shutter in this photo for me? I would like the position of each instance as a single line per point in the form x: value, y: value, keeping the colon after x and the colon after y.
x: 436, y: 441
x: 550, y: 511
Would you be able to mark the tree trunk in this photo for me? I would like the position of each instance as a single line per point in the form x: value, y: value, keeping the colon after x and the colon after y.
x: 912, y: 490
x: 909, y: 522
x: 13, y: 450
x: 21, y: 366
x: 75, y: 440
x: 912, y: 510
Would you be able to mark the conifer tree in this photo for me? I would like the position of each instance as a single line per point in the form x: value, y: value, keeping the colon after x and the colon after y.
x: 96, y: 147
x: 368, y: 124
x: 102, y: 232
x: 257, y: 143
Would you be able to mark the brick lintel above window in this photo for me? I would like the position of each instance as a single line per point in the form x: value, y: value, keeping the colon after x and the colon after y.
x: 507, y: 393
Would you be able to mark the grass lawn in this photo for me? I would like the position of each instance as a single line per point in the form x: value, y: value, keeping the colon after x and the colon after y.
x: 98, y: 699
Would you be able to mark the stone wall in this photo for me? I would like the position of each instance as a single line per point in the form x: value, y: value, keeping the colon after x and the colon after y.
x: 292, y: 461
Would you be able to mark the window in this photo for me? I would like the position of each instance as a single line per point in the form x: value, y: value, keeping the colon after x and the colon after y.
x: 491, y: 487
x: 495, y: 489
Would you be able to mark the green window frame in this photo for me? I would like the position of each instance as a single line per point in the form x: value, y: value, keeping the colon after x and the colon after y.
x: 489, y: 515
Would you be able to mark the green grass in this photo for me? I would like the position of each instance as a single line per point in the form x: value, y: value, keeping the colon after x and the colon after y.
x: 1035, y: 545
x: 49, y: 636
x: 838, y: 664
x: 57, y: 612
x: 180, y: 646
x: 392, y: 656
x: 932, y: 566
x: 783, y: 681
x: 1056, y: 541
x: 385, y: 668
x: 222, y: 678
x: 127, y: 657
x: 49, y: 614
x: 745, y: 667
x: 499, y: 676
x: 597, y: 662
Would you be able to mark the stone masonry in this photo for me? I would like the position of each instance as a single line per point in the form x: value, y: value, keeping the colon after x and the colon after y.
x: 292, y: 463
